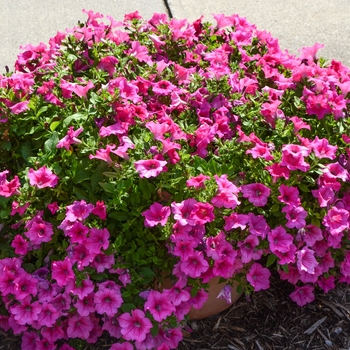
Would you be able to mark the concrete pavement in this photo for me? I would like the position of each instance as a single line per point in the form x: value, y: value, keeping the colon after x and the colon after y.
x: 296, y: 23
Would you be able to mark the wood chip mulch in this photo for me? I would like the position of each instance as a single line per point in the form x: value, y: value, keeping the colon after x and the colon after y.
x: 269, y: 320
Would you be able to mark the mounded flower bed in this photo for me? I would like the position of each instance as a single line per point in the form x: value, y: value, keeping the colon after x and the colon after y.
x: 137, y: 151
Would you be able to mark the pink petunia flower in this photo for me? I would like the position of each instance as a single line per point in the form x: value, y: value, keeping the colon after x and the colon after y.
x: 156, y: 214
x: 323, y: 149
x: 293, y: 157
x: 20, y: 245
x: 42, y: 177
x: 97, y: 240
x: 256, y: 193
x: 100, y: 210
x: 197, y: 181
x: 183, y: 210
x: 159, y: 305
x: 258, y: 277
x: 336, y: 220
x: 53, y: 207
x: 40, y: 232
x: 62, y: 271
x: 149, y: 167
x: 86, y: 305
x: 107, y: 301
x: 306, y: 260
x: 70, y: 138
x: 303, y: 295
x: 280, y: 240
x: 79, y: 327
x: 194, y: 265
x: 79, y: 210
x: 48, y: 315
x: 295, y: 216
x: 135, y: 326
x: 26, y: 311
x: 202, y: 213
x: 226, y: 294
x: 289, y: 195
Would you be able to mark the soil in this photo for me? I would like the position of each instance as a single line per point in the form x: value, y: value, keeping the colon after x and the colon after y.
x: 268, y: 320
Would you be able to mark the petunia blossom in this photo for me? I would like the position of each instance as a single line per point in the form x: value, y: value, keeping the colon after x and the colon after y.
x: 256, y: 193
x: 134, y: 326
x: 156, y: 214
x: 43, y: 177
x: 150, y: 167
x: 258, y: 277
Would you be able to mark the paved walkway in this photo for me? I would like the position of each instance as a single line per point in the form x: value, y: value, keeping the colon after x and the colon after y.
x: 296, y: 23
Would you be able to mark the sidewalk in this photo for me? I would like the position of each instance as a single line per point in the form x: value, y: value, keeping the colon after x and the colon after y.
x: 296, y: 23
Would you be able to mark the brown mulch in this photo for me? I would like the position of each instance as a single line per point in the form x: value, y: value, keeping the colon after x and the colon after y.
x: 268, y: 321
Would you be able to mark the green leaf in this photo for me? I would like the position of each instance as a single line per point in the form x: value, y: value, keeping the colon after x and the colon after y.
x: 155, y: 329
x: 271, y: 259
x: 119, y: 215
x: 275, y: 208
x: 303, y: 187
x: 108, y: 187
x: 147, y: 274
x: 54, y: 125
x: 81, y: 176
x: 42, y: 110
x: 50, y: 144
x: 127, y: 307
x: 76, y: 116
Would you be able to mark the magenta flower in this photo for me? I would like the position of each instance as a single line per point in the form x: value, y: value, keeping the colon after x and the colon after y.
x: 197, y: 181
x: 336, y: 220
x: 323, y: 149
x: 183, y: 210
x: 62, y: 271
x: 256, y: 193
x: 225, y: 199
x: 258, y: 277
x: 19, y: 107
x: 156, y: 214
x: 150, y: 167
x: 289, y: 195
x: 293, y: 157
x: 306, y: 260
x: 25, y: 285
x: 70, y: 138
x: 42, y: 177
x: 194, y: 265
x: 97, y: 240
x: 26, y: 312
x: 79, y: 327
x: 303, y: 295
x: 122, y: 346
x: 53, y: 207
x: 40, y: 232
x: 100, y: 210
x: 202, y: 213
x: 159, y: 305
x: 108, y: 301
x: 226, y: 294
x: 295, y: 216
x: 135, y: 326
x: 78, y: 211
x: 48, y: 315
x: 20, y: 245
x: 280, y: 240
x: 86, y: 305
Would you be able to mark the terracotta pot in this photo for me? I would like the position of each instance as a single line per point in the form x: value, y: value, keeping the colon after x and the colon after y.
x: 214, y: 305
